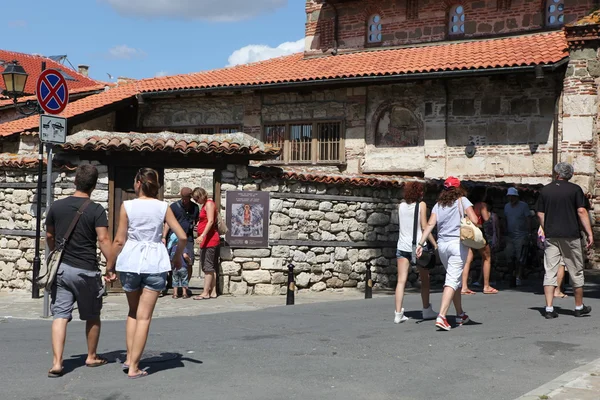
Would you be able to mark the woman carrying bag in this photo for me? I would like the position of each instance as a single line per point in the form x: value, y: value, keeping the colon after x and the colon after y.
x: 449, y: 216
x: 412, y: 219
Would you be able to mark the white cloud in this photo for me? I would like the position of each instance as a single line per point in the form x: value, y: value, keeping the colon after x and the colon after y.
x: 260, y: 52
x: 160, y: 74
x: 125, y: 52
x: 212, y: 10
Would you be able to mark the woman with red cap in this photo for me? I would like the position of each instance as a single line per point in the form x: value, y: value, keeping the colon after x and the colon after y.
x: 452, y: 205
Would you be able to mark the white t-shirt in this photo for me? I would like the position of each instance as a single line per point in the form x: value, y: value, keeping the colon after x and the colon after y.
x: 406, y: 219
x: 144, y: 252
x: 448, y: 220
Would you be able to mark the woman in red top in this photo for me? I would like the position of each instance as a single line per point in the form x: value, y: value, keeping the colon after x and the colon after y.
x: 208, y: 240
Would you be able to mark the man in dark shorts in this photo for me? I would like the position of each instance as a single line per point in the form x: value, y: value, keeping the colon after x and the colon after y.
x: 187, y: 214
x: 78, y: 279
x: 562, y: 211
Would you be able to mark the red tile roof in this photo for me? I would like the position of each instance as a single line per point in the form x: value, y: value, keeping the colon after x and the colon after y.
x: 78, y: 107
x: 33, y: 66
x: 26, y: 161
x: 78, y: 91
x: 525, y: 50
x: 229, y: 143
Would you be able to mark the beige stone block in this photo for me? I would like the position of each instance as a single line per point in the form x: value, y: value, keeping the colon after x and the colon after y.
x: 407, y: 159
x: 463, y: 166
x: 238, y: 288
x: 273, y: 264
x: 225, y: 284
x: 230, y: 268
x: 586, y: 182
x: 579, y: 104
x: 498, y: 165
x: 20, y: 196
x: 578, y: 129
x: 262, y: 289
x: 583, y: 164
x: 520, y: 164
x: 542, y: 163
x: 435, y: 169
x: 258, y: 276
x: 353, y: 165
x: 10, y: 255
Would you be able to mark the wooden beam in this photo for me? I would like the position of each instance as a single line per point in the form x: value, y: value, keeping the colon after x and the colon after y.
x: 19, y: 232
x: 331, y: 197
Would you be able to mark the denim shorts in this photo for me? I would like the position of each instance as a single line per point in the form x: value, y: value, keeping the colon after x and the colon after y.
x: 132, y: 282
x: 404, y: 254
x: 180, y: 277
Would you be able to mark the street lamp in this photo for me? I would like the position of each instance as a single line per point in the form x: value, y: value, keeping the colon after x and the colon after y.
x: 15, y: 78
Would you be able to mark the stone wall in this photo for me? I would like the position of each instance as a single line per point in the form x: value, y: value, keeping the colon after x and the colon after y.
x: 410, y: 21
x: 18, y: 205
x: 177, y: 178
x: 328, y: 241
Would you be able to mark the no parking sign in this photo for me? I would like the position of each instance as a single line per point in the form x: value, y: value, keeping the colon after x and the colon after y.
x: 52, y: 91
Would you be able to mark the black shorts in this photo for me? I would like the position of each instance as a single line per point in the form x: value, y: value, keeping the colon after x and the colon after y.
x: 208, y: 259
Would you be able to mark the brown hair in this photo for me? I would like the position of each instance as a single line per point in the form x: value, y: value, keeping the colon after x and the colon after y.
x: 200, y: 194
x: 149, y: 180
x: 450, y: 195
x: 86, y: 178
x: 413, y: 192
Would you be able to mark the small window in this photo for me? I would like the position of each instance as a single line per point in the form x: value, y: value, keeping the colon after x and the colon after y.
x: 307, y: 143
x: 457, y: 20
x: 555, y: 12
x: 374, y: 29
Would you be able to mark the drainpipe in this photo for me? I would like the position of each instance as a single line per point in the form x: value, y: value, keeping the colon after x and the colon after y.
x: 335, y: 28
x: 555, y: 130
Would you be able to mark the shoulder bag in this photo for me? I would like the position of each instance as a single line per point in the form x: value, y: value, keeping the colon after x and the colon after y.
x: 219, y: 223
x: 470, y: 235
x: 50, y: 268
x: 425, y: 258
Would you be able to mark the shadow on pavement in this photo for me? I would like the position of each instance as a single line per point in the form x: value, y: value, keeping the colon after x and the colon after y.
x: 151, y: 361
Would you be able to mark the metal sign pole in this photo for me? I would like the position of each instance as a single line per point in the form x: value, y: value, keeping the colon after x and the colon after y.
x: 49, y: 200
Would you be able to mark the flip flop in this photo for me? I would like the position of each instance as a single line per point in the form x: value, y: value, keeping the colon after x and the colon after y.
x: 125, y: 367
x: 102, y: 361
x: 141, y: 374
x: 55, y: 374
x: 562, y: 297
x: 491, y: 291
x: 201, y: 298
x: 467, y: 292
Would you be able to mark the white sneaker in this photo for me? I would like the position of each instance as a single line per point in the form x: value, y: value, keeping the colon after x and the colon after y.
x: 400, y: 317
x: 428, y: 313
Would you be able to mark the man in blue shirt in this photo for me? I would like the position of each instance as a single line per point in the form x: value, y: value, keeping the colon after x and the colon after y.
x: 518, y: 229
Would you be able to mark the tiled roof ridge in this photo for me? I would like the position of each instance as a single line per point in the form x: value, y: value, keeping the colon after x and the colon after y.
x: 48, y: 59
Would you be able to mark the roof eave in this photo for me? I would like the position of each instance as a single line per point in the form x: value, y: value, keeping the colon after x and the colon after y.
x: 369, y: 79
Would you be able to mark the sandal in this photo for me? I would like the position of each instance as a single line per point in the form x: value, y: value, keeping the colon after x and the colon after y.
x: 200, y: 297
x: 140, y: 374
x: 55, y: 374
x: 175, y: 296
x: 491, y: 291
x: 467, y: 292
x: 100, y: 361
x: 562, y: 296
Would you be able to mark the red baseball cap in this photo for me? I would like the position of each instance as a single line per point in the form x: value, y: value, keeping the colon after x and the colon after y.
x: 451, y: 182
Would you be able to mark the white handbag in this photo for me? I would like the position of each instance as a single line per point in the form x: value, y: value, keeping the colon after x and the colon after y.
x: 470, y: 235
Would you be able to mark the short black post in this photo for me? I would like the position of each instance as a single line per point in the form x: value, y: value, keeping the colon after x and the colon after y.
x: 368, y: 283
x: 291, y: 287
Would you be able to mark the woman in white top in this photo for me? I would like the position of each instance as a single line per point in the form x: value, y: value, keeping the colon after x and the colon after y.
x: 413, y: 194
x: 452, y: 205
x: 142, y: 260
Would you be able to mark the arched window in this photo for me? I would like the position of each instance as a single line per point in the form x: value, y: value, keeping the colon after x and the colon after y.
x: 374, y: 29
x: 555, y: 12
x: 457, y: 20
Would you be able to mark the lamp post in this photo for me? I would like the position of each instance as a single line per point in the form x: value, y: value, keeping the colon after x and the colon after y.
x: 15, y: 78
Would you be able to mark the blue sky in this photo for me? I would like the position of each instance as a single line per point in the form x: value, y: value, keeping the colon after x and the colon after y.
x: 146, y: 38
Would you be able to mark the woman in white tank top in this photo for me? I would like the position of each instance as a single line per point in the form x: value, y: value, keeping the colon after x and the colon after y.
x: 413, y: 194
x: 142, y: 260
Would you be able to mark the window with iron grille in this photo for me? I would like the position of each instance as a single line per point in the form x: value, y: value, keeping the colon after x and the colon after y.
x: 555, y: 12
x: 456, y: 20
x: 197, y: 129
x: 374, y: 29
x: 307, y: 142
